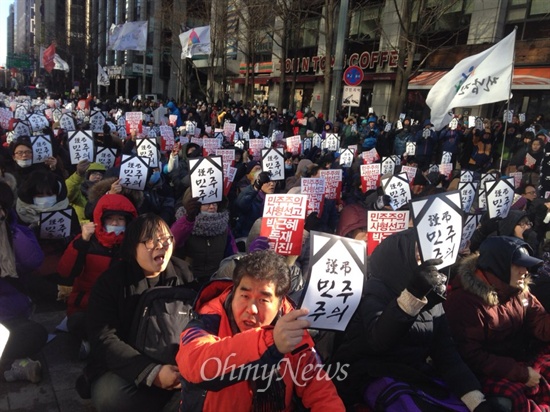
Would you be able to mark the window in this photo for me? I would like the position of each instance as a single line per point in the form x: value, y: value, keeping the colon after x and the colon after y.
x: 365, y: 23
x: 530, y: 16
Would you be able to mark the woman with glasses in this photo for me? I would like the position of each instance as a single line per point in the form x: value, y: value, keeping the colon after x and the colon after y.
x: 121, y: 377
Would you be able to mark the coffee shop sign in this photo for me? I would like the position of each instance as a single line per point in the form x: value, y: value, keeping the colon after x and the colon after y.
x: 365, y: 60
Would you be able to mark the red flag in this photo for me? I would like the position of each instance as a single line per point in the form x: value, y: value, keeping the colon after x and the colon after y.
x: 48, y: 57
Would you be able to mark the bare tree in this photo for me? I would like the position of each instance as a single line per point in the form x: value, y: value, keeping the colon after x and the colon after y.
x: 417, y: 21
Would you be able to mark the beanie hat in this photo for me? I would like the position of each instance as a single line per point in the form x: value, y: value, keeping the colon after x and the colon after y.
x: 250, y: 165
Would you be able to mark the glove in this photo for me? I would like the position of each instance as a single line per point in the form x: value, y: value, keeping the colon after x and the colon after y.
x: 260, y: 243
x: 425, y: 278
x: 262, y: 179
x: 192, y: 208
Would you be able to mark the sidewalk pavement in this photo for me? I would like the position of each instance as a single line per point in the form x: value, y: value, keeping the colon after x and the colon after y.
x: 60, y: 368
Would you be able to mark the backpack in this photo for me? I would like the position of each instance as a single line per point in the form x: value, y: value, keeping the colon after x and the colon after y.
x: 389, y: 395
x: 162, y: 314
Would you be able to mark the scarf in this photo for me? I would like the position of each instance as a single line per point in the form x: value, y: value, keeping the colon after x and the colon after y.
x: 7, y: 257
x: 30, y: 213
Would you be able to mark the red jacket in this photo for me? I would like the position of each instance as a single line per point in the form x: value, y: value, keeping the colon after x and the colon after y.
x: 491, y: 323
x: 217, y: 366
x: 86, y: 261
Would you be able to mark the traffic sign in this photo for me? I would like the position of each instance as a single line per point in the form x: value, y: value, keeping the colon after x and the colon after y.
x: 353, y: 76
x: 351, y: 96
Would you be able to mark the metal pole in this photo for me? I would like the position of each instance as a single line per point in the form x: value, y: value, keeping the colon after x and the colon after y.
x: 508, y: 106
x: 144, y: 78
x: 338, y: 59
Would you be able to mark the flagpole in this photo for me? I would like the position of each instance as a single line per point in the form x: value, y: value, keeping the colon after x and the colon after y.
x: 508, y: 102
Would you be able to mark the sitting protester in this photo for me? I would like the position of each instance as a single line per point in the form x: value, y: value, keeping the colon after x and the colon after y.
x: 92, y: 253
x: 499, y: 325
x: 204, y: 236
x: 399, y: 324
x: 123, y: 378
x: 249, y: 325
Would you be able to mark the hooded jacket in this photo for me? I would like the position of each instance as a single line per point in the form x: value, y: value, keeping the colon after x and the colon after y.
x: 206, y: 387
x: 84, y: 261
x: 493, y: 323
x: 384, y: 340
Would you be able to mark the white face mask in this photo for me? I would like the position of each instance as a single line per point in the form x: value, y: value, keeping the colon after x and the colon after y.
x: 205, y: 212
x: 117, y: 230
x: 24, y: 163
x: 46, y: 201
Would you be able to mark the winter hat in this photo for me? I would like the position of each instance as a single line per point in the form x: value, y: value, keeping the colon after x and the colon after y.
x: 497, y: 253
x: 95, y: 167
x: 250, y: 165
x: 371, y: 119
x: 302, y: 167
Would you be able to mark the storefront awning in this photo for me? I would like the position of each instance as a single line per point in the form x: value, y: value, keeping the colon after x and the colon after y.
x: 525, y: 78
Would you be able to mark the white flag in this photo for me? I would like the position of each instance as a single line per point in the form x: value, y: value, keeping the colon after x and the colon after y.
x: 102, y: 76
x: 132, y: 36
x: 478, y: 79
x: 114, y: 32
x: 195, y: 41
x: 60, y: 64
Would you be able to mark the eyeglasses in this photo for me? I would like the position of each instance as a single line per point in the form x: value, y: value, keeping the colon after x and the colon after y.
x: 153, y: 243
x: 23, y: 153
x: 525, y: 224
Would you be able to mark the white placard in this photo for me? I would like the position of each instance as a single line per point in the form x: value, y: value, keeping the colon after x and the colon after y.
x: 5, y: 117
x: 469, y: 228
x: 346, y: 157
x: 466, y: 176
x: 147, y: 147
x: 133, y: 172
x: 332, y: 142
x: 467, y: 194
x: 333, y: 291
x: 38, y: 122
x: 369, y: 176
x: 20, y: 112
x: 97, y: 121
x: 41, y: 148
x: 410, y: 171
x: 273, y: 161
x: 398, y: 189
x: 446, y: 158
x: 438, y: 223
x: 56, y: 225
x: 22, y: 128
x: 67, y: 122
x: 105, y: 156
x: 410, y: 149
x: 388, y: 165
x: 81, y: 146
x: 207, y: 179
x: 499, y: 194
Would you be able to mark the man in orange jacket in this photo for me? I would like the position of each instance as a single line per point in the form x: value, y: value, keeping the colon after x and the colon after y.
x: 249, y: 350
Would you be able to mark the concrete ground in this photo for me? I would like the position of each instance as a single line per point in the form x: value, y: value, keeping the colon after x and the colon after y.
x: 60, y: 368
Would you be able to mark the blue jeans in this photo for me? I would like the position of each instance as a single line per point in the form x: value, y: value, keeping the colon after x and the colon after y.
x: 112, y: 393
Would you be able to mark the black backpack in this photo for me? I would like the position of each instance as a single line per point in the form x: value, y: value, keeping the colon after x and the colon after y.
x: 162, y: 314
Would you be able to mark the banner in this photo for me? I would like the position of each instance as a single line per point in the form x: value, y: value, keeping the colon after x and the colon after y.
x: 479, y: 79
x: 48, y: 58
x: 60, y: 64
x: 195, y: 41
x: 132, y: 36
x: 102, y: 76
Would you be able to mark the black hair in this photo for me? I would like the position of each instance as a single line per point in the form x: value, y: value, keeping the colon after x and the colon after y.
x: 144, y: 227
x: 42, y: 182
x: 264, y: 265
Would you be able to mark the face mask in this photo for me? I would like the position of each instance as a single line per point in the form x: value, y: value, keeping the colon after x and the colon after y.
x: 155, y: 177
x: 117, y: 230
x: 47, y: 201
x: 288, y: 167
x: 208, y: 213
x: 24, y: 163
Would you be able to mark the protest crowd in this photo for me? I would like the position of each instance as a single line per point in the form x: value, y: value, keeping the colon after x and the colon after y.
x: 235, y: 214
